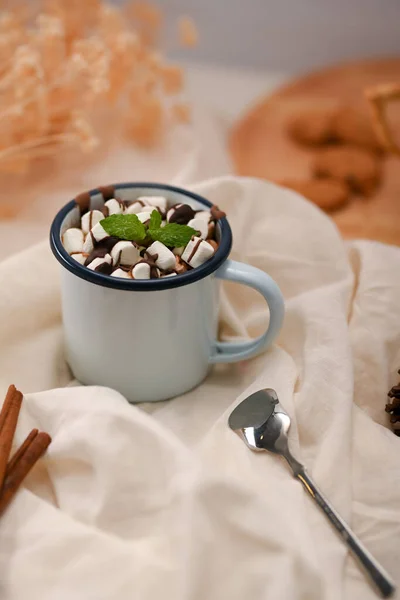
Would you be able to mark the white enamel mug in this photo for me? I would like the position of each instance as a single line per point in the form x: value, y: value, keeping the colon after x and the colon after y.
x: 152, y: 339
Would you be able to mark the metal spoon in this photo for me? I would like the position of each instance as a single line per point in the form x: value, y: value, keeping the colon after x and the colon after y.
x: 263, y: 424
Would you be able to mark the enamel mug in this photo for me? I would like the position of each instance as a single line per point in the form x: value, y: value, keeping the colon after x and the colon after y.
x: 152, y: 339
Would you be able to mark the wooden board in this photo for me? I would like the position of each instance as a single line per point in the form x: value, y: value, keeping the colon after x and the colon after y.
x: 260, y: 146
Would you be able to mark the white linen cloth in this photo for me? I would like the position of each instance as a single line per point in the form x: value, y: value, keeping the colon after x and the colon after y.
x: 163, y: 500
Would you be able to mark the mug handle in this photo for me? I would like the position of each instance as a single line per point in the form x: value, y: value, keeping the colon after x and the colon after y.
x: 231, y: 270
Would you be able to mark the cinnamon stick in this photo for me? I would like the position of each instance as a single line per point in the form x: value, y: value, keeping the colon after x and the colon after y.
x: 11, y: 406
x: 21, y: 450
x: 22, y: 467
x: 6, y: 404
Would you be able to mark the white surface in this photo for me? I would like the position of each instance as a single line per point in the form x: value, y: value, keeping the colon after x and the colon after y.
x: 171, y: 504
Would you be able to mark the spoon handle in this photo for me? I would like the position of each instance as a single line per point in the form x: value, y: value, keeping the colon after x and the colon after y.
x: 375, y: 571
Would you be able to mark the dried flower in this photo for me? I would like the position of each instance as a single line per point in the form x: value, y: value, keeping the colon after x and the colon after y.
x: 181, y: 112
x: 147, y: 19
x: 188, y: 34
x: 172, y: 79
x: 77, y: 58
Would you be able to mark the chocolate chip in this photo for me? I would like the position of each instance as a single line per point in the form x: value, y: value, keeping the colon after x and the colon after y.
x: 182, y: 215
x: 104, y: 268
x: 107, y: 191
x: 83, y: 201
x: 216, y: 213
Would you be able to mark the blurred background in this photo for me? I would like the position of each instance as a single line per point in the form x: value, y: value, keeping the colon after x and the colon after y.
x: 288, y: 35
x: 247, y: 71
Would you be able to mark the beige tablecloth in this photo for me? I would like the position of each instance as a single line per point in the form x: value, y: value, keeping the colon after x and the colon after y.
x: 164, y: 501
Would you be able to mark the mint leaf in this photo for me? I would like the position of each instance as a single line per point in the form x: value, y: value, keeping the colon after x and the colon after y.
x: 126, y: 227
x: 155, y: 220
x: 172, y: 234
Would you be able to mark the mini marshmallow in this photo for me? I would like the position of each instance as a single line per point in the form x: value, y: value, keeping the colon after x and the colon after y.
x: 88, y: 245
x: 155, y: 201
x: 97, y: 253
x: 170, y: 212
x: 100, y: 261
x: 90, y: 219
x: 114, y: 207
x: 80, y: 257
x: 197, y: 252
x: 201, y: 226
x: 98, y: 232
x: 134, y: 208
x: 122, y: 274
x: 73, y: 240
x: 165, y: 258
x: 125, y: 253
x: 144, y: 216
x: 204, y: 215
x: 141, y: 271
x: 168, y: 275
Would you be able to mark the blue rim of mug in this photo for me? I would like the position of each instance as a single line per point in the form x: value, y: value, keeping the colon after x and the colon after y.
x: 141, y: 285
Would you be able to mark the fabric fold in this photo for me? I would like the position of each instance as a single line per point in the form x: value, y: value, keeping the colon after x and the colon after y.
x: 163, y: 500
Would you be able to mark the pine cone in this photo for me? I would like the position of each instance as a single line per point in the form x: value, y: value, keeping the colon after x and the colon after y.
x: 393, y: 408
